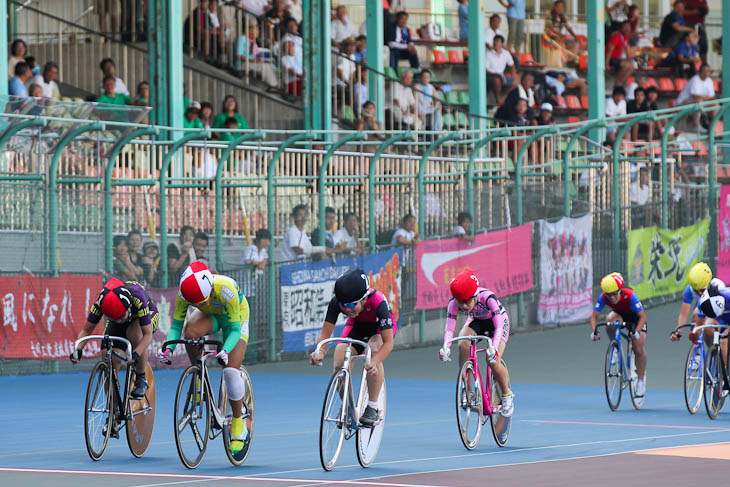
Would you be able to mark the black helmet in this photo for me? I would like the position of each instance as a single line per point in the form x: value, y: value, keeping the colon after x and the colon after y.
x: 352, y: 286
x: 712, y: 302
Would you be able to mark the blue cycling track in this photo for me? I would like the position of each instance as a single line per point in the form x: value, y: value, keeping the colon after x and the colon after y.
x: 563, y: 432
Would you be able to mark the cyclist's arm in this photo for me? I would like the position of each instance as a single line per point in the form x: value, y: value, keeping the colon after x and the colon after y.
x: 498, y: 315
x: 86, y: 331
x: 146, y: 339
x: 452, y: 312
x: 91, y: 321
x: 600, y: 304
x: 642, y: 320
x: 328, y: 327
x: 178, y: 320
x: 233, y: 308
x: 385, y: 349
x: 638, y: 308
x: 683, y: 314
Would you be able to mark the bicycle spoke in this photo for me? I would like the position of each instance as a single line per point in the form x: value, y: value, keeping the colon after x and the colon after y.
x: 96, y: 413
x: 191, y: 418
x: 332, y: 428
x: 469, y: 406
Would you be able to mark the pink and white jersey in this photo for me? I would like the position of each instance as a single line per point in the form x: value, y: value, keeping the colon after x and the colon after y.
x: 487, y: 309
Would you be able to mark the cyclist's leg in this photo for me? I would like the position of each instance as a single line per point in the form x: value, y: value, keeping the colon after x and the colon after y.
x: 116, y: 330
x: 134, y: 335
x: 465, y: 345
x: 501, y: 375
x: 611, y: 317
x: 640, y: 352
x: 375, y: 382
x: 197, y: 325
x: 234, y: 382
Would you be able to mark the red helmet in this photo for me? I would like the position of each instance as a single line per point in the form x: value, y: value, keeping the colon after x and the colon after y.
x: 115, y: 299
x: 464, y: 285
x: 196, y: 283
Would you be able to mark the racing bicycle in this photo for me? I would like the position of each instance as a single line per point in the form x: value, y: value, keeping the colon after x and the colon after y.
x: 620, y: 366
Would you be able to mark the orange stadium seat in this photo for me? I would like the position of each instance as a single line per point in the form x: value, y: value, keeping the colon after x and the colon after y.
x: 583, y: 62
x: 526, y: 58
x: 718, y: 85
x: 652, y: 82
x: 439, y: 57
x: 630, y: 80
x: 573, y: 102
x: 701, y: 149
x: 465, y: 54
x: 719, y: 127
x: 573, y: 119
x: 666, y: 85
x: 560, y: 101
x: 584, y: 102
x: 680, y: 83
x: 455, y: 57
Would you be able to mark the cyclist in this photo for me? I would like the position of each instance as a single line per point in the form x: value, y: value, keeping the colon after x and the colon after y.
x: 219, y: 305
x: 625, y: 306
x: 370, y: 320
x: 700, y: 276
x: 486, y: 316
x: 131, y: 314
x: 713, y: 307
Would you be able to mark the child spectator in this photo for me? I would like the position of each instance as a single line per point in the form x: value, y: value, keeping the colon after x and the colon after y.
x: 143, y: 95
x: 546, y: 115
x: 47, y: 81
x: 615, y: 107
x: 108, y: 68
x: 368, y: 121
x: 293, y: 69
x: 112, y: 97
x: 206, y: 115
x: 229, y: 109
x: 463, y: 226
x: 192, y: 117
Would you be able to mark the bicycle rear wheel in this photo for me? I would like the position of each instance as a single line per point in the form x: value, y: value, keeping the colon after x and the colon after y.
x: 638, y: 402
x: 613, y: 376
x: 97, y: 411
x: 469, y: 406
x: 501, y: 425
x: 713, y: 384
x: 191, y: 417
x: 333, y: 421
x: 368, y: 439
x: 693, y: 380
x: 139, y: 429
x: 248, y: 417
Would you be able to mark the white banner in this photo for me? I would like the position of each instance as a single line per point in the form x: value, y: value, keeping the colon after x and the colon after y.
x: 566, y: 270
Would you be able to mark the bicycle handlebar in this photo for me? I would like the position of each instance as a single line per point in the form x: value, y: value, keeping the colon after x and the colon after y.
x: 679, y: 327
x: 619, y: 324
x: 194, y: 341
x: 351, y: 341
x: 126, y: 342
x: 716, y: 326
x: 471, y: 338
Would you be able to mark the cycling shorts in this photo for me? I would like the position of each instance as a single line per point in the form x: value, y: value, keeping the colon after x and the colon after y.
x: 486, y: 328
x: 364, y: 332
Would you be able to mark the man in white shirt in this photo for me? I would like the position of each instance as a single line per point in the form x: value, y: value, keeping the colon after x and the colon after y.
x: 615, y: 107
x: 346, y: 64
x: 407, y: 237
x: 256, y: 7
x: 295, y: 9
x: 347, y: 236
x: 639, y: 197
x: 341, y: 27
x: 296, y: 244
x: 47, y: 81
x: 404, y: 103
x: 497, y: 61
x: 699, y: 88
x: 493, y: 30
x: 108, y: 68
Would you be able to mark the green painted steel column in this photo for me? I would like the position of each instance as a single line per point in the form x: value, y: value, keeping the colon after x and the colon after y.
x: 323, y: 180
x: 596, y: 124
x: 376, y: 80
x: 477, y: 54
x: 596, y: 62
x: 53, y: 195
x: 158, y: 60
x: 175, y: 76
x: 616, y: 194
x: 108, y: 210
x: 166, y: 160
x: 470, y: 169
x: 4, y: 52
x: 518, y: 165
x: 318, y: 65
x: 14, y: 129
x: 712, y: 196
x: 222, y: 160
x: 665, y: 140
x: 371, y: 181
x: 271, y: 218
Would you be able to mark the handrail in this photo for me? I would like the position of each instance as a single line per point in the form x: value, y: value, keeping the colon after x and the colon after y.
x: 470, y: 168
x: 14, y: 129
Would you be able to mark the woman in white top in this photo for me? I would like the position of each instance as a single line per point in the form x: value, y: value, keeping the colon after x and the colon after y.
x: 18, y: 49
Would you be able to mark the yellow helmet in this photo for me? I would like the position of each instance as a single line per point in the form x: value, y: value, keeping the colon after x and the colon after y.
x: 700, y: 276
x: 612, y: 282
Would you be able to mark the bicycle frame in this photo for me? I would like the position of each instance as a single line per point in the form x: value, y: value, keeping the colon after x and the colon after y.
x: 716, y: 343
x: 700, y: 342
x: 618, y: 334
x: 473, y: 350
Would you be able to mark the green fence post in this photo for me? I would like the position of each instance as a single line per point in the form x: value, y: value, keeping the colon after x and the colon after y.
x: 518, y: 165
x: 108, y: 211
x: 566, y: 160
x: 222, y: 160
x: 712, y: 195
x: 371, y: 181
x: 665, y: 140
x: 622, y: 131
x: 14, y: 129
x: 166, y: 160
x: 271, y: 217
x: 53, y: 195
x: 323, y: 180
x: 5, y: 7
x: 470, y: 169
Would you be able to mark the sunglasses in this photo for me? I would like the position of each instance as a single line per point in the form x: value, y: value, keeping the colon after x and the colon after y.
x: 349, y: 305
x: 613, y: 294
x: 467, y: 300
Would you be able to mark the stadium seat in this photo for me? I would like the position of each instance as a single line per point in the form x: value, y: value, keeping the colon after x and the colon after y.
x: 461, y: 120
x: 464, y: 97
x: 465, y: 54
x: 452, y: 98
x: 701, y: 149
x: 402, y: 69
x: 439, y: 95
x: 680, y: 83
x: 718, y: 85
x: 573, y: 119
x: 719, y: 127
x: 666, y: 85
x: 573, y: 102
x: 651, y: 82
x: 560, y: 101
x: 630, y: 80
x: 583, y: 62
x: 439, y: 57
x: 582, y: 41
x: 390, y: 73
x: 584, y: 102
x: 449, y: 121
x: 455, y: 57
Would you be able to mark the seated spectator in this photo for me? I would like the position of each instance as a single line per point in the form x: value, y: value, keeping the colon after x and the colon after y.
x: 673, y: 26
x: 275, y: 16
x: 561, y: 81
x: 615, y: 107
x: 406, y: 234
x: 230, y: 124
x: 143, y: 94
x: 518, y: 116
x: 180, y: 254
x: 618, y: 12
x: 639, y: 193
x: 341, y: 28
x: 369, y: 122
x: 346, y: 67
x: 401, y: 115
x: 493, y: 30
x: 361, y: 91
x: 121, y: 266
x: 555, y: 24
x: 400, y: 41
x: 292, y: 35
x: 151, y: 262
x: 296, y: 244
x: 206, y: 115
x: 134, y: 247
x: 250, y: 57
x: 694, y: 14
x: 192, y: 117
x: 108, y: 68
x: 463, y: 20
x: 652, y: 95
x: 230, y: 109
x: 217, y: 28
x: 200, y: 246
x: 642, y: 81
x: 639, y: 131
x: 463, y: 227
x: 523, y: 90
x: 255, y: 7
x: 347, y: 237
x: 683, y: 56
x: 619, y: 54
x: 110, y: 96
x: 699, y: 88
x: 292, y: 69
x: 16, y: 86
x: 17, y: 55
x: 429, y: 107
x: 501, y: 71
x: 330, y: 225
x: 255, y: 258
x: 361, y: 49
x: 546, y: 115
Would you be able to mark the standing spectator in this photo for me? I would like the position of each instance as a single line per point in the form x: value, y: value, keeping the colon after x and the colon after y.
x: 274, y: 18
x: 406, y: 234
x: 463, y: 226
x: 618, y: 11
x: 292, y: 35
x: 497, y: 61
x: 255, y: 7
x: 694, y: 14
x: 546, y: 115
x: 206, y: 115
x: 516, y: 16
x: 463, y: 20
x: 330, y: 223
x: 493, y: 31
x: 197, y: 29
x: 255, y: 258
x: 674, y: 26
x: 110, y: 96
x: 292, y: 69
x: 17, y: 55
x: 121, y: 266
x: 361, y: 49
x: 134, y: 247
x: 341, y: 28
x: 180, y: 254
x: 114, y: 9
x: 16, y: 86
x: 634, y: 18
x: 151, y: 262
x: 143, y: 94
x: 615, y: 107
x: 200, y: 246
x: 347, y: 236
x: 403, y: 110
x: 699, y: 88
x: 346, y: 67
x: 683, y: 56
x: 369, y: 122
x: 400, y: 42
x: 250, y: 57
x: 229, y: 109
x: 429, y: 108
x: 619, y: 54
x: 296, y: 244
x: 557, y: 22
x: 108, y: 68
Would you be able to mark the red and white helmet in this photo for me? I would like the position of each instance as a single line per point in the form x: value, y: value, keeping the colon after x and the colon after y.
x: 196, y: 283
x: 464, y: 285
x: 115, y: 299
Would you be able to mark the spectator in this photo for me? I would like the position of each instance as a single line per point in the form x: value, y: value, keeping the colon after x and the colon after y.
x: 369, y: 122
x: 192, y: 117
x: 463, y: 227
x: 251, y: 57
x: 294, y: 7
x: 683, y: 56
x: 35, y: 91
x: 143, y: 95
x: 198, y: 25
x: 274, y: 17
x: 400, y: 42
x: 406, y: 234
x: 561, y: 81
x: 403, y: 110
x: 121, y: 266
x: 523, y: 90
x: 330, y: 224
x: 615, y: 107
x: 292, y: 69
x: 16, y: 86
x: 361, y: 90
x: 255, y: 7
x: 151, y: 262
x: 17, y: 55
x: 493, y: 31
x: 463, y: 20
x: 497, y: 62
x: 347, y: 236
x: 361, y: 49
x: 180, y: 254
x: 229, y: 109
x: 200, y: 246
x: 694, y: 14
x: 114, y: 9
x: 217, y: 27
x: 673, y: 26
x: 642, y: 81
x: 699, y: 88
x: 341, y: 28
x: 557, y: 22
x: 639, y: 193
x: 230, y: 124
x: 110, y: 96
x: 519, y: 115
x: 34, y: 67
x: 634, y: 18
x: 618, y: 12
x: 255, y: 258
x: 206, y: 115
x: 619, y: 54
x: 639, y: 131
x: 108, y: 68
x: 516, y: 16
x: 346, y: 67
x: 134, y: 247
x: 546, y: 115
x: 429, y: 107
x: 296, y: 244
x: 652, y: 95
x: 292, y: 35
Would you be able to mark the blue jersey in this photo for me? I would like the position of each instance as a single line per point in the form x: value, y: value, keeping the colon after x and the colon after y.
x: 689, y: 294
x: 724, y: 318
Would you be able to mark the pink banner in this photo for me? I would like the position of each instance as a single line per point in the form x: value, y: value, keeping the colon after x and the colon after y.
x: 723, y: 229
x: 502, y: 260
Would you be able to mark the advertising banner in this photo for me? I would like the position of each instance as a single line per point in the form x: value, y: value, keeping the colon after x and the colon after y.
x: 659, y: 260
x: 502, y: 260
x: 307, y: 288
x: 723, y: 230
x: 566, y: 270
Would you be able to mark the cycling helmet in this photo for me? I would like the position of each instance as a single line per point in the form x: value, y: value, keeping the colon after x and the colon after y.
x: 612, y: 282
x: 115, y: 299
x: 700, y: 276
x: 464, y: 285
x: 196, y: 283
x: 712, y: 302
x: 352, y: 286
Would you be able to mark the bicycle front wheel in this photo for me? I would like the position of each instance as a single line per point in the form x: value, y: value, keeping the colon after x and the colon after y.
x: 713, y: 384
x: 191, y: 417
x: 469, y: 406
x: 333, y: 422
x: 613, y: 376
x: 248, y: 418
x: 693, y: 381
x: 97, y: 411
